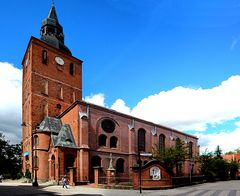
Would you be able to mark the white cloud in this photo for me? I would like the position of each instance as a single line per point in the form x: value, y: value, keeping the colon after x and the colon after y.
x: 192, y: 109
x: 120, y: 106
x: 228, y: 141
x: 97, y: 99
x: 10, y: 101
x: 238, y: 125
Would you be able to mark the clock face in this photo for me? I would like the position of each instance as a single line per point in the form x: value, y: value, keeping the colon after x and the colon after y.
x: 59, y: 60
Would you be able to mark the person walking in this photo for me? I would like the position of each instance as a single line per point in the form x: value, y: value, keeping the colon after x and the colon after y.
x: 64, y: 181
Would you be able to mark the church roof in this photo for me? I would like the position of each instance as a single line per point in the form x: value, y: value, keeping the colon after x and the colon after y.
x: 52, y: 31
x: 61, y: 134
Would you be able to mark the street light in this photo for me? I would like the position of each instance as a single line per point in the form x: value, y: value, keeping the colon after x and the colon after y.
x: 34, y: 162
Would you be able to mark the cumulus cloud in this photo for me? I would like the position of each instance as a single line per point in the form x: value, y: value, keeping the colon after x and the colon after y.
x: 10, y: 101
x: 192, y: 109
x: 120, y: 106
x: 228, y: 141
x: 97, y: 99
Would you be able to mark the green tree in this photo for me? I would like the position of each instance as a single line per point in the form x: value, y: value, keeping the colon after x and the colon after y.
x: 10, y: 158
x: 172, y: 157
x: 233, y: 167
x: 213, y: 166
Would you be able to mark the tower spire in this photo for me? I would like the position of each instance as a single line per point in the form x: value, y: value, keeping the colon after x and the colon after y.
x: 52, y: 32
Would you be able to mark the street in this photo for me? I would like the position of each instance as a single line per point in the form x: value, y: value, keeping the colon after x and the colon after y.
x: 223, y: 188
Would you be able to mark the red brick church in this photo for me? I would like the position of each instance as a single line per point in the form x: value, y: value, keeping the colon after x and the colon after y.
x: 62, y: 133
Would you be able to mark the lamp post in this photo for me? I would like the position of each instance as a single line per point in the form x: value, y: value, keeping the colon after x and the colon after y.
x: 139, y: 161
x: 34, y: 162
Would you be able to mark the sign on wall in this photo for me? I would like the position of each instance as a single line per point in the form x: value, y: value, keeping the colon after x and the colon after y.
x: 155, y: 173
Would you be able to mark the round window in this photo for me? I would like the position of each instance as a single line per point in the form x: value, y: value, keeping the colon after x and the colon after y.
x: 108, y: 126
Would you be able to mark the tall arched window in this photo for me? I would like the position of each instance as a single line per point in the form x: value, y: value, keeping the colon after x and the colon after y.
x: 190, y: 150
x: 161, y: 142
x: 44, y: 57
x: 113, y: 142
x: 45, y: 87
x: 120, y: 166
x: 71, y: 69
x: 141, y: 140
x: 102, y: 140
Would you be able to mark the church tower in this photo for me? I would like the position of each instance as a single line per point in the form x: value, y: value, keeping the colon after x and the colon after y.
x: 52, y: 80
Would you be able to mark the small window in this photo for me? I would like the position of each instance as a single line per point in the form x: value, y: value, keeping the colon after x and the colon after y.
x: 44, y: 57
x: 102, y: 140
x: 108, y: 125
x: 113, y: 142
x: 71, y: 69
x: 36, y: 140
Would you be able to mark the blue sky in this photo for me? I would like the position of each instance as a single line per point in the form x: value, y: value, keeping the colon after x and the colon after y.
x: 173, y: 62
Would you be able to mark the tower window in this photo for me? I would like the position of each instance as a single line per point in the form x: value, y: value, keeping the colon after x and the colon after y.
x: 44, y: 57
x: 60, y: 91
x: 71, y: 69
x: 45, y: 87
x: 141, y: 140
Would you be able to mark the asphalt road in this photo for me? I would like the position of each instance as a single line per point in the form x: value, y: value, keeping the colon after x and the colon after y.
x: 223, y: 188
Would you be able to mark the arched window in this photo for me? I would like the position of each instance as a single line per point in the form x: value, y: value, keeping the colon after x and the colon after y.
x: 102, y: 140
x: 44, y: 57
x: 113, y: 142
x: 36, y: 140
x: 161, y: 142
x: 71, y: 69
x: 141, y: 140
x: 120, y: 166
x: 190, y: 150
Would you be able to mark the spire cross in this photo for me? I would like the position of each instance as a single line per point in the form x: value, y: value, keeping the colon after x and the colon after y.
x: 52, y: 2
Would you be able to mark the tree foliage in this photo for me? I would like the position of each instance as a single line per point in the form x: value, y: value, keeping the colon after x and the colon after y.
x: 172, y: 157
x: 10, y: 158
x: 214, y: 167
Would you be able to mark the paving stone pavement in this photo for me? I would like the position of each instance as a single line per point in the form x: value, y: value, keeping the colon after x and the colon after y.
x: 223, y: 188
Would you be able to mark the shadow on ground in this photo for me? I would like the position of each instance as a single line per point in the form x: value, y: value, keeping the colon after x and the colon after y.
x: 22, y: 190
